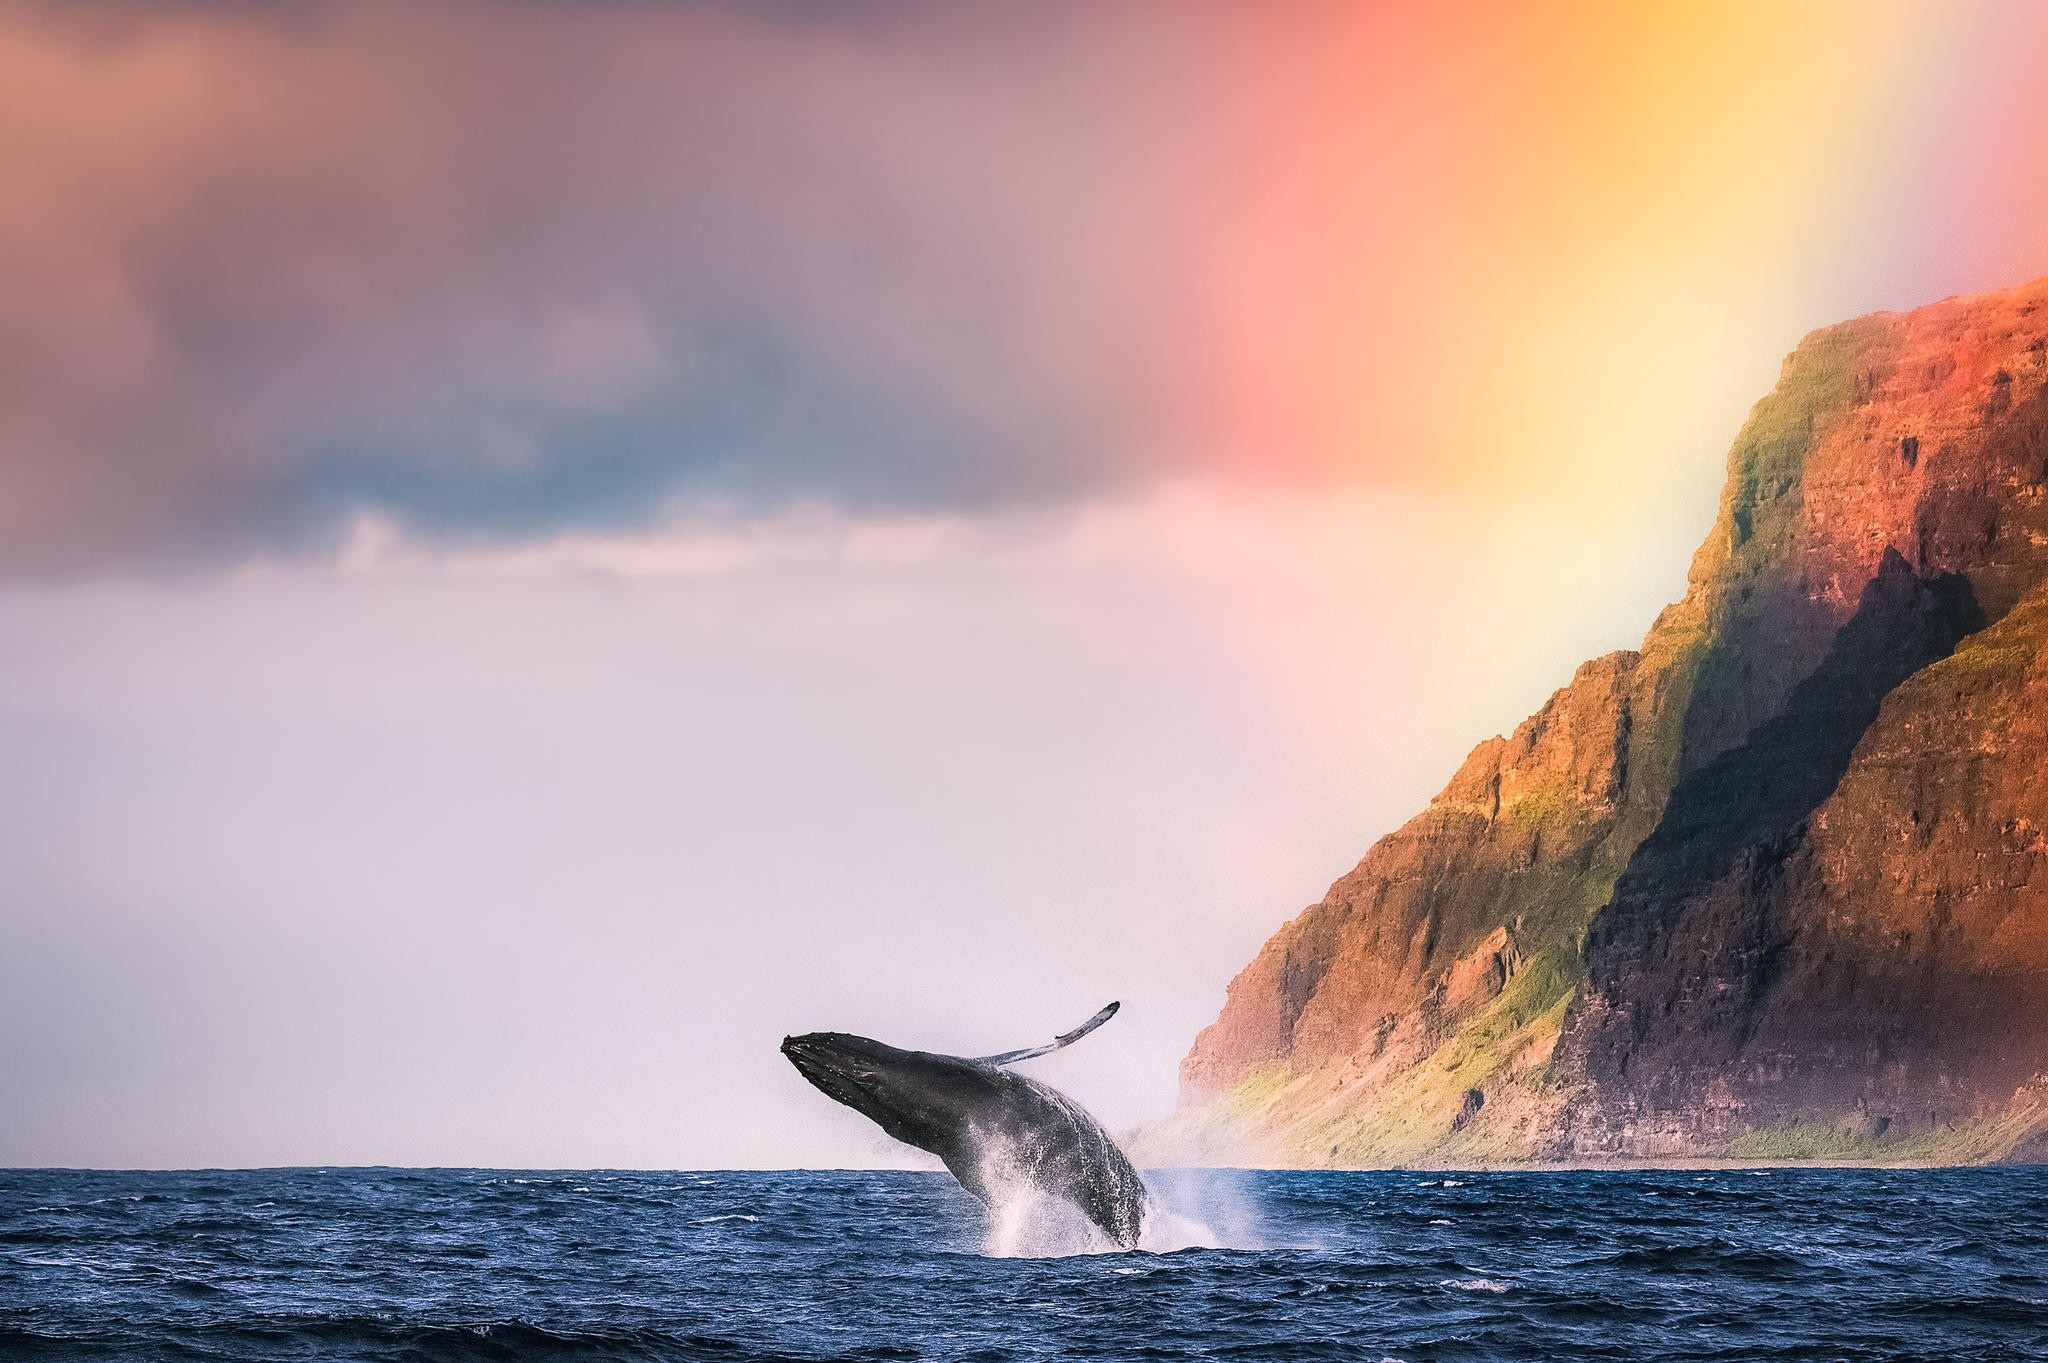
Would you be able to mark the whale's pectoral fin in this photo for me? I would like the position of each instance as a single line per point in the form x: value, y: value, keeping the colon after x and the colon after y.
x: 1011, y: 1057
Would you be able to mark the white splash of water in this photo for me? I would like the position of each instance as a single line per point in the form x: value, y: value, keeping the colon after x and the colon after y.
x: 1167, y: 1230
x: 1024, y: 1222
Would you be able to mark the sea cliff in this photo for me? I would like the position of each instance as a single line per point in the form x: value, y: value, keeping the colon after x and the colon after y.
x: 1774, y: 885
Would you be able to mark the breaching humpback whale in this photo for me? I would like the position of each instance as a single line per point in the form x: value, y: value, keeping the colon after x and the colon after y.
x: 984, y: 1121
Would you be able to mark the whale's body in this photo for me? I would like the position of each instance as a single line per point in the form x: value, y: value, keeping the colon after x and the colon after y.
x: 986, y: 1123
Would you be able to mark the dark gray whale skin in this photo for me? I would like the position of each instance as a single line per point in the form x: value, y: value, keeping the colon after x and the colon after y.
x: 954, y: 1106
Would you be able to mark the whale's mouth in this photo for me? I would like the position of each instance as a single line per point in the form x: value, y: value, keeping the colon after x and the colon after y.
x: 828, y: 1071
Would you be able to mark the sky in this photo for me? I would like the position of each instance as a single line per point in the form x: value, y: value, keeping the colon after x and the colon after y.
x: 544, y: 546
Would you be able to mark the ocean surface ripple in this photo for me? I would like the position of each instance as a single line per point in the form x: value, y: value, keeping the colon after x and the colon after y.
x: 428, y: 1265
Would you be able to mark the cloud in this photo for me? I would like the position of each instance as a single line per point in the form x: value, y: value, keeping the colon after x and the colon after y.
x: 491, y: 273
x: 495, y: 270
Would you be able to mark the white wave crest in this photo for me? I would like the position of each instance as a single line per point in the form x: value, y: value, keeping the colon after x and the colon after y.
x: 1475, y: 1284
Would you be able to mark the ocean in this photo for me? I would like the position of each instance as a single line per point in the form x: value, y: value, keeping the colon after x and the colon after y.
x: 473, y: 1264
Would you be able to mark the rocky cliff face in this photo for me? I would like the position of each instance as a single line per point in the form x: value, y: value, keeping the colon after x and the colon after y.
x: 1774, y: 885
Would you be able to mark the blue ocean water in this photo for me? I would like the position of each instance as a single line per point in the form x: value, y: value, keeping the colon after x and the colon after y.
x: 419, y: 1265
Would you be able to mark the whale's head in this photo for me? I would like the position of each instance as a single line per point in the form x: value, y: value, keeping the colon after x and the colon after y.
x: 915, y: 1096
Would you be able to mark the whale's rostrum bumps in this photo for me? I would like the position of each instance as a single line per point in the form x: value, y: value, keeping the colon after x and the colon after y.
x: 987, y: 1123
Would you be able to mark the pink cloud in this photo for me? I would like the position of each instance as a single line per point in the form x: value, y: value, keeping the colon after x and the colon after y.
x: 493, y: 270
x: 585, y: 258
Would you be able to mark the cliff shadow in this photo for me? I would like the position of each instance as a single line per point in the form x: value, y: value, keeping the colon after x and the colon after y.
x: 1678, y: 953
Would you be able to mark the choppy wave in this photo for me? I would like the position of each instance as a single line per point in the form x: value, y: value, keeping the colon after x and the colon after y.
x: 433, y: 1265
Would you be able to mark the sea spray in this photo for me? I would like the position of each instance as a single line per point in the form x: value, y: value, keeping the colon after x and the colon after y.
x: 1206, y: 1209
x: 1026, y: 1222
